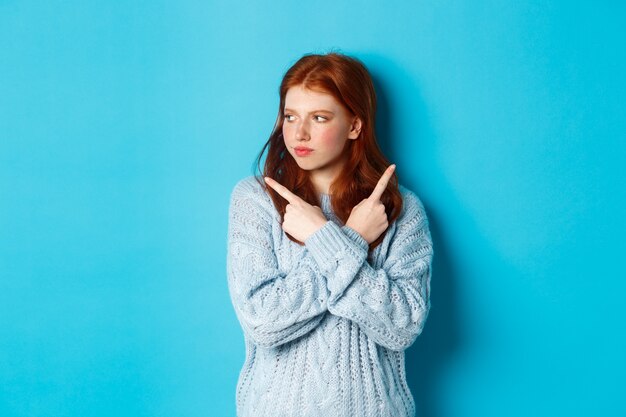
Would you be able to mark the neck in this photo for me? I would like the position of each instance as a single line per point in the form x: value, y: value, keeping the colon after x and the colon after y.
x: 321, y: 188
x: 322, y: 180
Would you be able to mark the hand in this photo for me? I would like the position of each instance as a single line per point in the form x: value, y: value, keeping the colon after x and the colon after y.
x: 369, y: 218
x: 301, y: 219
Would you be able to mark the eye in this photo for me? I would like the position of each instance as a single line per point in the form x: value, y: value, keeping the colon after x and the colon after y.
x: 288, y: 117
x: 320, y: 118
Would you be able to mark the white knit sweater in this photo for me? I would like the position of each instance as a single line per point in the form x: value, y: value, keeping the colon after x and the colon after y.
x: 325, y: 324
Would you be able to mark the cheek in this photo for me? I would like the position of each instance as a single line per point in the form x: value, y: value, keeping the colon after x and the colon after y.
x: 286, y: 131
x: 331, y: 136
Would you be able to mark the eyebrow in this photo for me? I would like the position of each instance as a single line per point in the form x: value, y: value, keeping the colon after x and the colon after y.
x: 314, y: 111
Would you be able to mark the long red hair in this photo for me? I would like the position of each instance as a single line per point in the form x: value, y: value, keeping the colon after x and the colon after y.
x: 349, y: 82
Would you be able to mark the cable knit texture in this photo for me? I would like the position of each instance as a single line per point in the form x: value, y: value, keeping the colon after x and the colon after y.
x: 325, y: 324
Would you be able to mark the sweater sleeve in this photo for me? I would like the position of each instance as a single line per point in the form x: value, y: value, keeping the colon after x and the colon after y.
x: 390, y: 303
x: 273, y: 306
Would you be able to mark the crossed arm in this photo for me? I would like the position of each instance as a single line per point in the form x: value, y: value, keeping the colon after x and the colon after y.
x: 390, y: 303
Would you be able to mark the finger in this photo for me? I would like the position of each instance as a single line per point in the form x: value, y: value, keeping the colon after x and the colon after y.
x: 381, y: 186
x: 282, y: 190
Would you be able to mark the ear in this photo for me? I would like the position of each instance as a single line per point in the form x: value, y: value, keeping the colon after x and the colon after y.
x: 355, y: 128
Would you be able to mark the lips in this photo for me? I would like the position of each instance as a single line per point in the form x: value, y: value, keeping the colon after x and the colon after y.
x: 302, y: 150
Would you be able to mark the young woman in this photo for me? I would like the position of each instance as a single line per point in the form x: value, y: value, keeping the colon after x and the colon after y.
x: 329, y: 257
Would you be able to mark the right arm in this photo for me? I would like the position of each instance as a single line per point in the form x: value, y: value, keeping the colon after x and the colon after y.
x: 273, y: 307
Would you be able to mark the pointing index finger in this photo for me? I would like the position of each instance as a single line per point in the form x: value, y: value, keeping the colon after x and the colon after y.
x: 381, y: 186
x: 282, y: 190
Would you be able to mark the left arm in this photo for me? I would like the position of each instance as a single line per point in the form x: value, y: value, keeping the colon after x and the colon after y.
x: 391, y: 303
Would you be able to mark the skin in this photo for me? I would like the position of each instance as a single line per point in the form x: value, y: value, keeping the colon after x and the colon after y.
x: 317, y: 120
x: 368, y: 218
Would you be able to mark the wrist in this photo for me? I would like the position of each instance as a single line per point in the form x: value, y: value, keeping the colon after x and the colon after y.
x: 355, y: 236
x: 353, y: 227
x: 318, y: 226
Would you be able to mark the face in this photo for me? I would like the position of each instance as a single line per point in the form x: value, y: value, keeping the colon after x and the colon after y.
x: 316, y: 129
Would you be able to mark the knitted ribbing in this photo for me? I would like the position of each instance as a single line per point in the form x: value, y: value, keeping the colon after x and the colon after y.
x: 325, y: 324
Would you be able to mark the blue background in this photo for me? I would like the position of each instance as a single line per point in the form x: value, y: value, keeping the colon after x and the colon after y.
x: 124, y: 126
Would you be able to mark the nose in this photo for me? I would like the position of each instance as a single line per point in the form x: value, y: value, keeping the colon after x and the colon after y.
x: 302, y: 132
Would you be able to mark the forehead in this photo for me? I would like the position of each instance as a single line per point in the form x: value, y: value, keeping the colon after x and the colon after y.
x: 302, y: 98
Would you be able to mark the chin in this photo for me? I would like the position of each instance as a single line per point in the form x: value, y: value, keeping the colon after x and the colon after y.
x: 305, y: 166
x: 305, y: 163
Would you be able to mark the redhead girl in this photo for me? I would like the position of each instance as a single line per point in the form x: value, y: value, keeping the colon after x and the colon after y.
x: 329, y: 257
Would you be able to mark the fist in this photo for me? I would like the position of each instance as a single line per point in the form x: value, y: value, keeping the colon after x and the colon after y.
x: 301, y: 219
x: 369, y: 218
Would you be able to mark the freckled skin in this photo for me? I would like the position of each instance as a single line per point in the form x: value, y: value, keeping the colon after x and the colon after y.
x: 325, y: 133
x: 316, y: 120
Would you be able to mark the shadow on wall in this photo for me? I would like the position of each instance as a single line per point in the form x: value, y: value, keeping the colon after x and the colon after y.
x: 442, y: 338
